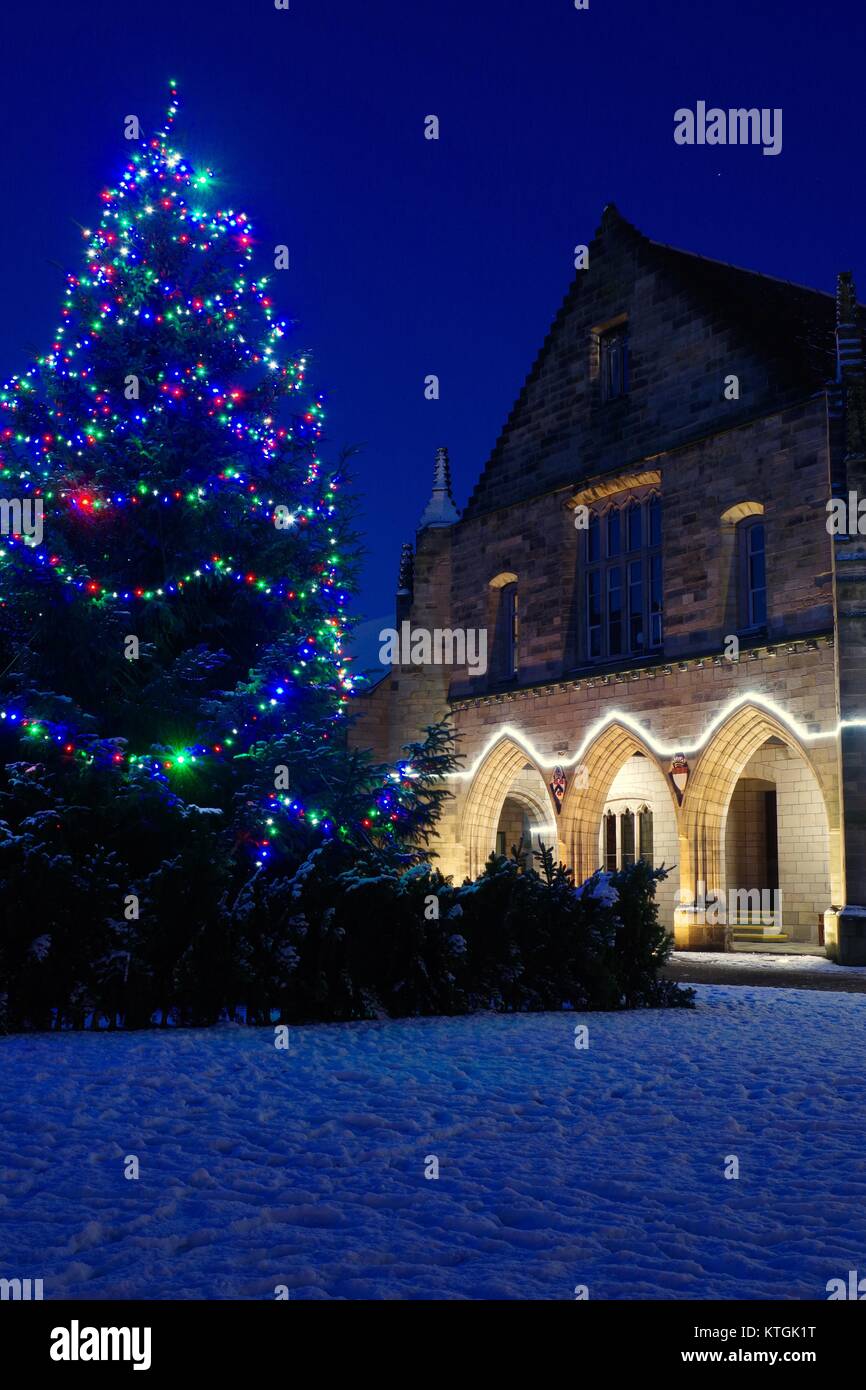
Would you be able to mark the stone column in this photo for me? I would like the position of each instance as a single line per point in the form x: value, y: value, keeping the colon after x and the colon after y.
x: 845, y: 924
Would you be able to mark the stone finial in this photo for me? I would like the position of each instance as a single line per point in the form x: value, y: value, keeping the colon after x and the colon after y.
x: 406, y: 581
x: 440, y: 510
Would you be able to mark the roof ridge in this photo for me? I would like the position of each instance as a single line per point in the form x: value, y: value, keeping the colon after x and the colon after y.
x: 741, y: 269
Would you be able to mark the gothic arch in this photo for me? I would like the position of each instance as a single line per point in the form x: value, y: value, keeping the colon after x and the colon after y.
x: 589, y: 782
x: 740, y: 511
x: 711, y: 786
x: 490, y: 785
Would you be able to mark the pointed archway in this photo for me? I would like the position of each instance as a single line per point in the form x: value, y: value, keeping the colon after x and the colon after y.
x: 499, y: 775
x: 715, y: 775
x: 589, y: 782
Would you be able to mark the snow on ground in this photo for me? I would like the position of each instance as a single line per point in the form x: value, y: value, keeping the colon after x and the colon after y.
x: 558, y: 1167
x: 766, y: 960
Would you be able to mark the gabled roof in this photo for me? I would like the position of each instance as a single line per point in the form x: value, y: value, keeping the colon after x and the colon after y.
x: 793, y: 320
x: 790, y: 327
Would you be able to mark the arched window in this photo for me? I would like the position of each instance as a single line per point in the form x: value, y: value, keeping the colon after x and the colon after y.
x: 751, y: 536
x: 510, y: 631
x: 506, y: 627
x: 613, y: 361
x: 623, y: 580
x: 645, y: 834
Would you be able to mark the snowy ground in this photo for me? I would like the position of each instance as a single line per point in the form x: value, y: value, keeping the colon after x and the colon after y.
x: 767, y: 960
x: 557, y: 1167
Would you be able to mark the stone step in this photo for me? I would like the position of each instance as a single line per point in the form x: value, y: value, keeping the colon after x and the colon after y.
x: 757, y: 934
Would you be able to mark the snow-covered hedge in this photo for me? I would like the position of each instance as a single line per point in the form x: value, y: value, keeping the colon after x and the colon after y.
x: 336, y: 943
x: 343, y: 937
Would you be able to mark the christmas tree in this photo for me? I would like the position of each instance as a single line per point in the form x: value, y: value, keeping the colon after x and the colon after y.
x: 175, y: 594
x: 175, y: 570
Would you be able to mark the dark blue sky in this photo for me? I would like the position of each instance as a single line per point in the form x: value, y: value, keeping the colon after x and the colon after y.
x: 408, y: 256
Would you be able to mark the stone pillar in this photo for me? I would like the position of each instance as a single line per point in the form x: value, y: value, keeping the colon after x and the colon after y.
x: 845, y: 925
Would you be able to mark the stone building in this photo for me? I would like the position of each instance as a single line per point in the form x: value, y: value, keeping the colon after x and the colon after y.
x: 676, y: 659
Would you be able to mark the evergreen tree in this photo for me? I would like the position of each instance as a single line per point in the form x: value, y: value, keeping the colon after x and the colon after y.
x: 185, y: 605
x: 175, y: 572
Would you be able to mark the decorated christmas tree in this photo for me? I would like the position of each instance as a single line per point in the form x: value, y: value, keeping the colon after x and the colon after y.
x: 175, y: 571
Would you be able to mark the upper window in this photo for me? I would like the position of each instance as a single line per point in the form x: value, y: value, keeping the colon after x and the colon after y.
x: 505, y: 619
x: 753, y: 573
x: 508, y: 632
x: 613, y: 362
x: 623, y: 580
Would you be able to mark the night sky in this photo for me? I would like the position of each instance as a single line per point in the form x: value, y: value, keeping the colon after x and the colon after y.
x: 411, y: 256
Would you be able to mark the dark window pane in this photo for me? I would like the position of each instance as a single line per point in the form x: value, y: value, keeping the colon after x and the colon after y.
x: 614, y: 612
x: 655, y: 521
x: 635, y: 606
x: 507, y: 633
x: 514, y: 627
x: 613, y: 533
x: 759, y: 607
x: 610, y: 843
x: 757, y: 575
x: 593, y: 539
x: 613, y: 364
x: 656, y: 601
x: 593, y: 614
x: 626, y: 835
x: 635, y: 527
x: 646, y: 835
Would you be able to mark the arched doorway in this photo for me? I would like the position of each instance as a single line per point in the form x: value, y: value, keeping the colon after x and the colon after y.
x: 777, y: 851
x: 757, y: 806
x: 615, y: 750
x: 508, y: 794
x: 525, y: 821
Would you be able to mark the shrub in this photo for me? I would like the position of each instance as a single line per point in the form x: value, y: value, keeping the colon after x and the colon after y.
x: 366, y: 942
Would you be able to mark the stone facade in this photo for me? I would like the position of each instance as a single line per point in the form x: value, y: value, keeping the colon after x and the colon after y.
x: 726, y: 408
